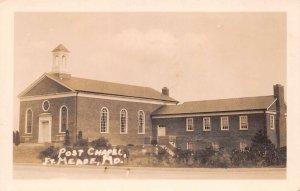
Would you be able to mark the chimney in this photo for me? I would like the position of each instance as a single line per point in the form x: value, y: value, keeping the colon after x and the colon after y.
x: 165, y: 91
x: 280, y: 116
x: 279, y: 94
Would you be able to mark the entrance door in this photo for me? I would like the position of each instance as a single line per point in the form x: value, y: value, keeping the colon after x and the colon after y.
x: 44, y: 130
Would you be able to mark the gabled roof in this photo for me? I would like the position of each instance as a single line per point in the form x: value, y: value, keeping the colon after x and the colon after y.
x: 208, y: 106
x: 60, y: 47
x: 109, y: 88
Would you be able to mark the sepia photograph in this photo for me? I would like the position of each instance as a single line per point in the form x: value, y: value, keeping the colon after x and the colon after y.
x: 137, y: 96
x: 150, y: 95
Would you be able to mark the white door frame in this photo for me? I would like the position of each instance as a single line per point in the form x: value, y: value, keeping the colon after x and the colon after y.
x: 41, y: 120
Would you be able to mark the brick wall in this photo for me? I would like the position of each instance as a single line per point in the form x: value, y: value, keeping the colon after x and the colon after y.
x: 89, y: 120
x: 46, y: 86
x: 177, y: 127
x: 36, y: 107
x: 272, y: 133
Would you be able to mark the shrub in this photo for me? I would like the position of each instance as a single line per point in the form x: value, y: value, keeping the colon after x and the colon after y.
x: 182, y: 156
x: 80, y: 141
x: 282, y: 156
x: 17, y: 138
x: 241, y: 158
x: 262, y: 151
x: 50, y: 152
x: 100, y: 143
x: 67, y: 138
x: 153, y: 142
x: 161, y: 155
x: 79, y: 135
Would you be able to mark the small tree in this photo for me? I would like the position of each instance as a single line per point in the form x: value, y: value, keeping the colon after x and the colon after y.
x: 79, y: 137
x: 67, y: 138
x: 17, y: 138
x: 262, y: 149
x: 80, y: 141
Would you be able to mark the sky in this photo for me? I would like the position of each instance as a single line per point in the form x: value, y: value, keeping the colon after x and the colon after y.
x: 198, y: 56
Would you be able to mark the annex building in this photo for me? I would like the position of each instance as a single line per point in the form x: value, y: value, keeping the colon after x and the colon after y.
x: 127, y: 114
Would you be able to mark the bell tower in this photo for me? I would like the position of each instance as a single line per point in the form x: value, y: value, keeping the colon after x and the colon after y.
x: 60, y: 61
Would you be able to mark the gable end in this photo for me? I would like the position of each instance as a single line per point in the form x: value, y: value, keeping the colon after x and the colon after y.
x: 44, y: 86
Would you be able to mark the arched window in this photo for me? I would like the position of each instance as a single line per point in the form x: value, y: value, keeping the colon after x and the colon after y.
x: 104, y: 119
x: 123, y: 121
x: 56, y: 61
x: 63, y: 119
x: 141, y: 122
x: 64, y: 61
x: 28, y: 121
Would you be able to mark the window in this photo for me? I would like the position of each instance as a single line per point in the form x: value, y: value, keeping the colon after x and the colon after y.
x: 189, y: 146
x: 63, y: 119
x: 224, y: 123
x: 215, y: 146
x: 272, y: 122
x: 123, y: 121
x: 161, y: 131
x: 243, y: 146
x: 104, y: 119
x: 45, y: 105
x: 56, y: 61
x: 64, y: 61
x: 141, y: 122
x: 206, y: 124
x: 28, y: 121
x: 243, y: 122
x: 189, y: 124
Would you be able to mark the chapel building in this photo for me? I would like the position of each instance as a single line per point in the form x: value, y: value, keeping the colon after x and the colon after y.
x: 127, y: 114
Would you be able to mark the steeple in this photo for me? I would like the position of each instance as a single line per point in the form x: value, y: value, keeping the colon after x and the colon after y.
x: 60, y: 61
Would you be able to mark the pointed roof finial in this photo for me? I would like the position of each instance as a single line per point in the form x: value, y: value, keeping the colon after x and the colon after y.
x: 59, y: 48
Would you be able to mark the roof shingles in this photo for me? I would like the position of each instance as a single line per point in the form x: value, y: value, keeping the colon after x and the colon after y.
x: 208, y: 106
x: 110, y: 88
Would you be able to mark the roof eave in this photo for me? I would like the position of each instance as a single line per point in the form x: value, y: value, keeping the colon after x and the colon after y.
x: 119, y: 95
x: 210, y: 112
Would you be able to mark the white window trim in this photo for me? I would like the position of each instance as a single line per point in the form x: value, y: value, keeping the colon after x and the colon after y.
x: 161, y: 126
x: 26, y: 121
x: 272, y: 126
x: 107, y: 122
x: 126, y: 120
x: 60, y: 118
x: 243, y: 145
x: 243, y: 129
x: 204, y: 118
x: 222, y: 128
x: 215, y: 145
x: 187, y: 125
x: 190, y: 146
x: 144, y: 121
x: 43, y: 105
